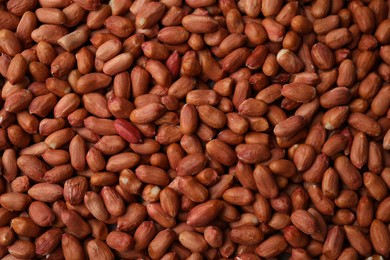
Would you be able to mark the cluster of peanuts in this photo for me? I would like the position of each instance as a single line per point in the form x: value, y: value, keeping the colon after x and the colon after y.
x: 194, y: 129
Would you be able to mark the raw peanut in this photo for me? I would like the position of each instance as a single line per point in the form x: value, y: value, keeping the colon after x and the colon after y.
x: 71, y: 246
x: 59, y: 138
x: 238, y: 196
x: 301, y: 24
x: 358, y: 240
x: 252, y: 107
x: 45, y: 192
x: 24, y: 226
x: 91, y: 82
x: 41, y: 214
x: 286, y: 14
x: 7, y: 236
x: 118, y: 64
x: 75, y: 224
x: 193, y: 241
x: 252, y: 153
x: 22, y: 249
x: 95, y: 205
x: 135, y: 214
x: 369, y: 86
x: 10, y: 44
x: 161, y: 242
x: 322, y: 56
x: 346, y: 199
x: 100, y: 126
x: 265, y: 182
x: 364, y: 18
x: 289, y: 61
x: 96, y: 104
x: 74, y: 14
x: 329, y: 183
x: 18, y: 101
x: 188, y: 119
x: 152, y: 175
x: 322, y: 226
x: 210, y: 67
x: 211, y: 116
x: 89, y: 5
x: 127, y: 131
x: 378, y: 233
x: 380, y: 102
x: 36, y: 149
x: 275, y: 30
x: 173, y: 35
x: 199, y: 24
x: 334, y: 145
x: 333, y: 243
x: 202, y: 97
x: 119, y: 26
x: 15, y: 201
x: 365, y: 211
x: 147, y: 114
x: 235, y: 59
x: 113, y: 202
x: 335, y: 117
x: 9, y: 163
x: 375, y: 185
x: 255, y: 32
x: 191, y: 164
x: 32, y: 167
x: 9, y: 20
x: 381, y: 32
x: 49, y: 126
x: 149, y: 15
x: 20, y: 184
x: 42, y: 105
x: 361, y: 123
x: 303, y: 157
x: 169, y: 200
x: 246, y: 235
x: 48, y: 241
x: 299, y: 92
x: 119, y: 241
x: 289, y: 127
x: 62, y: 64
x: 192, y: 189
x: 221, y: 152
x: 272, y: 246
x: 155, y: 211
x: 50, y: 16
x: 167, y: 134
x: 348, y: 173
x: 204, y: 213
x: 108, y: 50
x: 17, y: 68
x: 279, y: 221
x: 324, y: 205
x: 347, y: 73
x: 337, y: 38
x: 122, y: 161
x: 7, y: 216
x: 98, y: 249
x: 77, y: 152
x: 304, y: 221
x: 213, y: 236
x: 189, y: 64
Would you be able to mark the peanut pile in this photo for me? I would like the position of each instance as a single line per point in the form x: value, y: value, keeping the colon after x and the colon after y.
x: 195, y: 129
